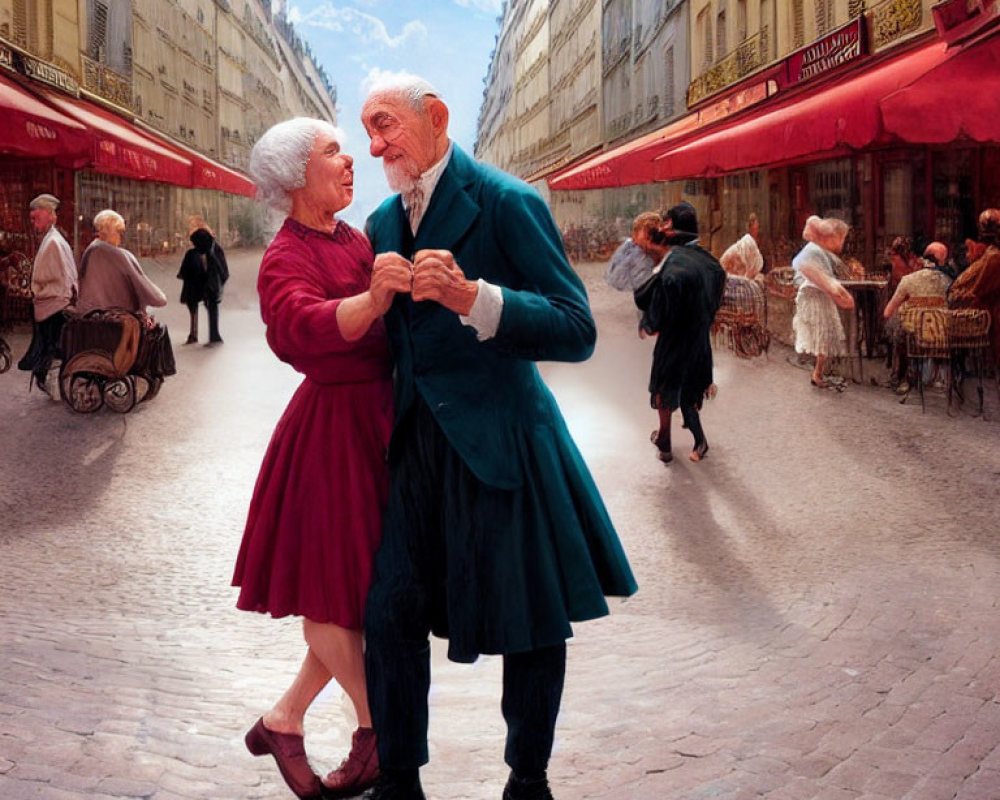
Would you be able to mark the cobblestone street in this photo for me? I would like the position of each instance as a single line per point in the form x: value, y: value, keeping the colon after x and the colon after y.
x: 817, y: 614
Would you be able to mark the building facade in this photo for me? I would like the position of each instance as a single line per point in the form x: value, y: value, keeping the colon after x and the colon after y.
x: 149, y: 107
x: 782, y: 109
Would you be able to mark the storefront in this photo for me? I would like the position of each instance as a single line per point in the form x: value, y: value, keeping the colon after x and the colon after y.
x: 62, y: 142
x: 889, y: 142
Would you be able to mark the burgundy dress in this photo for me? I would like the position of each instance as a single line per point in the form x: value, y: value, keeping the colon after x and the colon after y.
x: 315, y: 518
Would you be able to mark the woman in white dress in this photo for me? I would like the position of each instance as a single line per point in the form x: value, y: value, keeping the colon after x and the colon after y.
x: 818, y: 329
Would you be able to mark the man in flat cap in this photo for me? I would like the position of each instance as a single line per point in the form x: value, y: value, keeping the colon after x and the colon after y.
x: 54, y: 286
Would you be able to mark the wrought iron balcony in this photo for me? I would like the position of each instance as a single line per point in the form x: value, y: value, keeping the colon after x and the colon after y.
x: 748, y: 57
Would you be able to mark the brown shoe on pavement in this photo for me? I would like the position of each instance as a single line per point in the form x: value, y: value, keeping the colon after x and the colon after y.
x: 358, y: 771
x: 289, y: 753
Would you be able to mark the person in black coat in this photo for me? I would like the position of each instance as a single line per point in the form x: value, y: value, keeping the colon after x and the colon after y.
x: 679, y: 307
x: 204, y: 271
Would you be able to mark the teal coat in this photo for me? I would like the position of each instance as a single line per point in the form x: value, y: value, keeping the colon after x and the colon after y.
x: 487, y: 396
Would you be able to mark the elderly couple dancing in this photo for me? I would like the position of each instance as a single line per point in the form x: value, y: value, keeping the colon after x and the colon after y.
x: 422, y: 479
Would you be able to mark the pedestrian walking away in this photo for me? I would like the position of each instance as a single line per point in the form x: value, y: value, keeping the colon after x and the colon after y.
x: 315, y: 518
x: 495, y: 536
x: 678, y: 307
x: 204, y: 272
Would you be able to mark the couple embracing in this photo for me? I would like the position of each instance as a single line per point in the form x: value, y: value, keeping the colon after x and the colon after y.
x: 422, y: 479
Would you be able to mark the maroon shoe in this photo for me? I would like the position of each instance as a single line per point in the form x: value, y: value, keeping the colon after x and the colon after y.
x: 358, y: 771
x: 289, y: 753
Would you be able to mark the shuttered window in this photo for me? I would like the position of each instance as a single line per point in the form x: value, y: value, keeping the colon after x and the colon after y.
x: 798, y: 24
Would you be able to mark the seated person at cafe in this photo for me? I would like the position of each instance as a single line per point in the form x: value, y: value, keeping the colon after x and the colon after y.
x: 979, y: 285
x: 925, y: 287
x: 902, y: 259
x: 937, y: 252
x: 110, y: 276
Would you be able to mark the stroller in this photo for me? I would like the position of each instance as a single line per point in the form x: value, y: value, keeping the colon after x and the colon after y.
x: 113, y: 357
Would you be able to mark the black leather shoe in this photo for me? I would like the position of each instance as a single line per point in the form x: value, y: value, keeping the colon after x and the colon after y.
x: 535, y: 789
x: 393, y: 785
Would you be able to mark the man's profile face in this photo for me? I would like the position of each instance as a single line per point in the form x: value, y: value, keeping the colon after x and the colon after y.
x: 41, y: 219
x: 403, y: 138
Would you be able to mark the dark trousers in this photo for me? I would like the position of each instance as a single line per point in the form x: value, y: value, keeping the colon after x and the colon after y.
x: 44, y: 347
x: 408, y: 599
x: 399, y: 678
x: 213, y: 321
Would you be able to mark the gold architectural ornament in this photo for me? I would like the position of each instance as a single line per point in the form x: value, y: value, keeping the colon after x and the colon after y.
x: 105, y: 82
x: 748, y: 57
x: 892, y: 19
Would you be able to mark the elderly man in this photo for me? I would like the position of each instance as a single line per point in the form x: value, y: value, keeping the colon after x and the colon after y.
x: 110, y: 276
x: 494, y: 536
x: 53, y: 285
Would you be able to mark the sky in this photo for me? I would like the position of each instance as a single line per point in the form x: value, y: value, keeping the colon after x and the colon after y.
x: 447, y: 42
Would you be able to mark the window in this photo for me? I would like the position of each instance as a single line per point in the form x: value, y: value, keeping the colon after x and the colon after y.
x: 824, y: 17
x: 798, y: 24
x: 741, y: 20
x: 720, y: 32
x: 668, y: 82
x: 704, y: 32
x: 97, y: 33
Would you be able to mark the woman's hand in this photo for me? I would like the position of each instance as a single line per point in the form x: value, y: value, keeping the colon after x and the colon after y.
x: 391, y: 274
x: 841, y: 296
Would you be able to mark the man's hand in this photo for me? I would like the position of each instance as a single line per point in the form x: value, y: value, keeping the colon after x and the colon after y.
x: 391, y: 274
x: 437, y: 277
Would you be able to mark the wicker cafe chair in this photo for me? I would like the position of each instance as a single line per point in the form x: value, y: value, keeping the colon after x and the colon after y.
x: 926, y: 332
x: 741, y: 321
x: 969, y: 338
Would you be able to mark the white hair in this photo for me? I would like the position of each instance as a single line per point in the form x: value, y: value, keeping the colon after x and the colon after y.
x: 278, y: 159
x: 103, y: 220
x: 822, y: 231
x: 412, y: 87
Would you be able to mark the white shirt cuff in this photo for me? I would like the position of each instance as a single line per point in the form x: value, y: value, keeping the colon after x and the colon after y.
x: 484, y: 316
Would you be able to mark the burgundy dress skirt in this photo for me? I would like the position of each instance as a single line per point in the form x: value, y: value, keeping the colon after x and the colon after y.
x: 315, y: 518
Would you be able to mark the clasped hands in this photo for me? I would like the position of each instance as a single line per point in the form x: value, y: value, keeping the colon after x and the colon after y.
x: 432, y: 275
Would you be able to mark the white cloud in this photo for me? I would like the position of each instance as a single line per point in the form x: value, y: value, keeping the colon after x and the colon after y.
x: 367, y: 27
x: 489, y: 6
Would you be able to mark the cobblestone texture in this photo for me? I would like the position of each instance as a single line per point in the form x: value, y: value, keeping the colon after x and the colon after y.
x: 817, y: 618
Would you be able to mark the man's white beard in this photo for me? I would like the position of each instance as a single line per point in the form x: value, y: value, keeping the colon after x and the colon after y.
x: 401, y: 175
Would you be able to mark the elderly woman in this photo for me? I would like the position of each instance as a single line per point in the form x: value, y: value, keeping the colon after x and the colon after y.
x: 818, y: 329
x: 314, y: 521
x: 979, y: 285
x: 743, y: 258
x: 110, y: 276
x: 928, y: 286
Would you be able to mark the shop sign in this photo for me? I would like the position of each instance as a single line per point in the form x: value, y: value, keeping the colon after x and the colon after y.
x: 737, y: 101
x: 48, y: 73
x: 959, y: 19
x: 833, y: 50
x: 37, y: 130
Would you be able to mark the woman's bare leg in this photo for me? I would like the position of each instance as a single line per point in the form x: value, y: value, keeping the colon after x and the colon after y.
x: 288, y: 713
x: 817, y: 375
x: 341, y: 652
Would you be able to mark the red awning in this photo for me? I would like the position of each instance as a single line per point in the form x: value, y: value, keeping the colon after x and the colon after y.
x: 827, y: 120
x: 210, y: 174
x: 121, y: 149
x: 31, y: 129
x: 959, y: 98
x: 837, y: 119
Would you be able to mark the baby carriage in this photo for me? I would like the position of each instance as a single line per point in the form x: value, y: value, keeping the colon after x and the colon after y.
x: 15, y: 299
x: 113, y: 357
